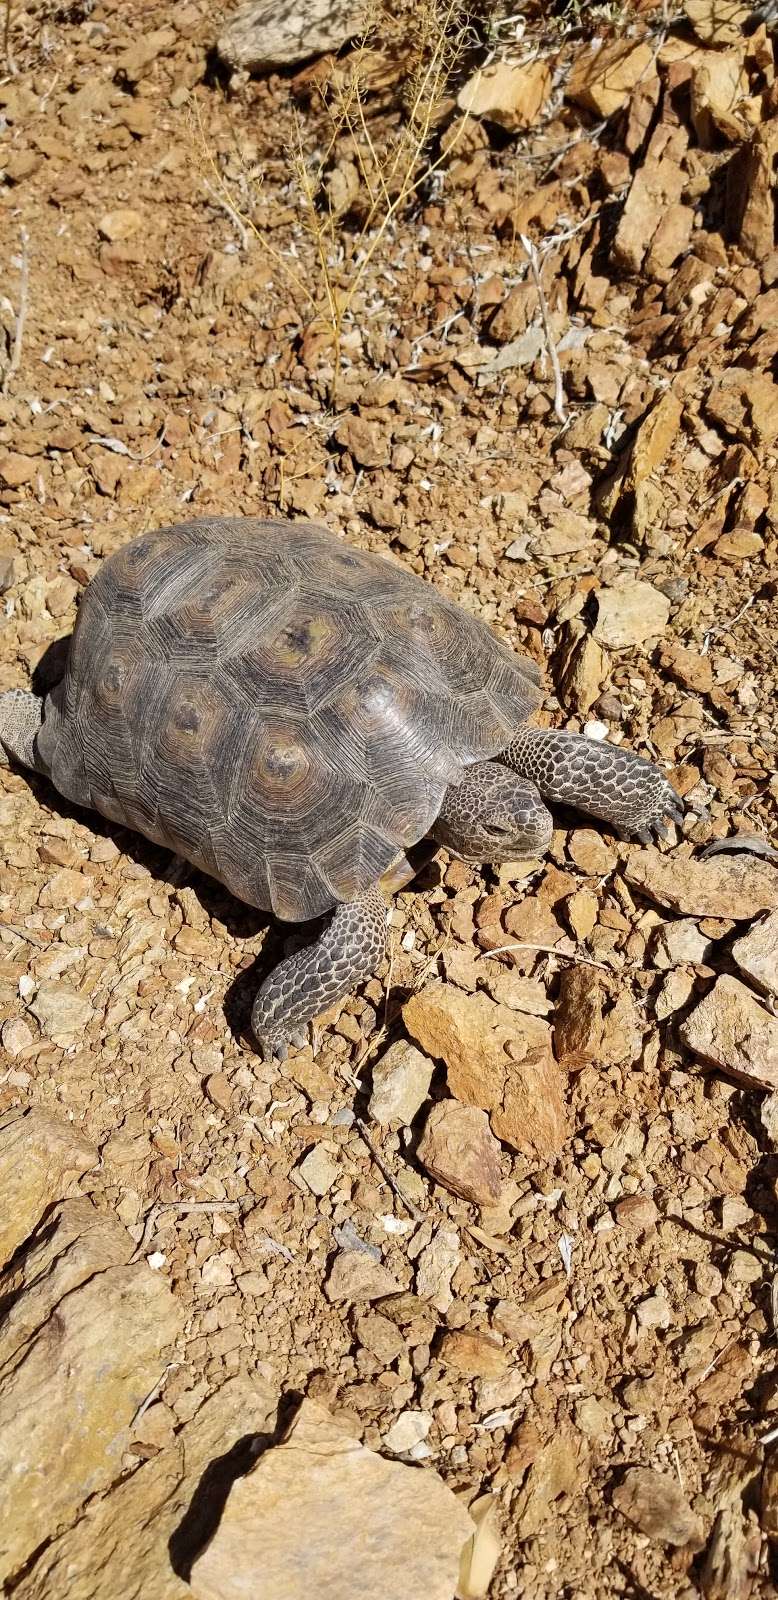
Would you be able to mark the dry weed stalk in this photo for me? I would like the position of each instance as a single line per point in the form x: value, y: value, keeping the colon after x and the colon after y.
x: 10, y: 64
x: 388, y: 176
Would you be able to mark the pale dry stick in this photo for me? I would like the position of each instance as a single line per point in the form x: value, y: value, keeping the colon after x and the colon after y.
x: 410, y: 1206
x: 221, y: 200
x: 153, y: 1215
x: 548, y: 950
x: 153, y: 1394
x: 560, y: 410
x: 7, y: 52
x: 21, y: 315
x: 725, y: 627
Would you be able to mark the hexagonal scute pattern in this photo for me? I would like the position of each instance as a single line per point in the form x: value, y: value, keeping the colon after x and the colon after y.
x: 281, y: 709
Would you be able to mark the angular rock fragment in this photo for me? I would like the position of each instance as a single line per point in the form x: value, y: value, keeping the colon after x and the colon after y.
x: 401, y: 1081
x: 62, y: 1013
x: 657, y: 1505
x: 321, y: 1514
x: 459, y: 1150
x: 603, y: 79
x: 629, y: 613
x: 355, y: 1275
x: 732, y: 1031
x: 756, y: 954
x: 150, y: 1513
x: 473, y: 1353
x: 497, y: 1059
x: 511, y: 94
x: 720, y: 887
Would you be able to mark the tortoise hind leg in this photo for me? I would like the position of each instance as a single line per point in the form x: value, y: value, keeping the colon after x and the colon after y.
x: 21, y: 719
x: 305, y: 984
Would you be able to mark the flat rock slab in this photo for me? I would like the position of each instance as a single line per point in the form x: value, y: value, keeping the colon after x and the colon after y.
x: 732, y: 887
x: 138, y: 1540
x: 263, y: 33
x: 40, y: 1156
x: 80, y: 1352
x: 756, y: 954
x: 460, y: 1151
x: 629, y: 613
x: 321, y: 1514
x: 732, y: 1031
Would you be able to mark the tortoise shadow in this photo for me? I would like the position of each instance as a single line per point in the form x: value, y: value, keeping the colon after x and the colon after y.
x: 204, y: 1513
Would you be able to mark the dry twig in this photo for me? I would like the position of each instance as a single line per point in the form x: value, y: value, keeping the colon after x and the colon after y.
x: 410, y: 1207
x: 560, y: 409
x: 21, y: 314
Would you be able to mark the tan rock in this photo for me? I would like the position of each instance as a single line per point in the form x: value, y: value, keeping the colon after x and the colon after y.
x: 750, y: 192
x: 656, y: 1504
x: 356, y: 1275
x: 365, y: 440
x: 734, y: 887
x: 260, y: 34
x: 538, y: 1310
x: 508, y: 93
x: 582, y: 910
x: 657, y: 185
x: 555, y: 1470
x: 121, y: 224
x: 82, y: 1241
x: 756, y: 954
x: 675, y: 993
x: 770, y: 1494
x: 629, y: 613
x: 459, y: 1151
x: 688, y: 667
x: 474, y: 1353
x: 583, y: 668
x: 745, y: 403
x: 578, y: 1025
x: 16, y: 469
x: 732, y: 1031
x: 322, y: 1492
x: 82, y: 1350
x: 62, y: 1013
x: 401, y: 1081
x: 591, y: 853
x: 147, y: 1512
x: 497, y: 1059
x: 40, y: 1157
x: 720, y: 102
x: 718, y: 21
x: 603, y: 80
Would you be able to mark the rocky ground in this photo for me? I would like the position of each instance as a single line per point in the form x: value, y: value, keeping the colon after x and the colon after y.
x: 511, y: 1230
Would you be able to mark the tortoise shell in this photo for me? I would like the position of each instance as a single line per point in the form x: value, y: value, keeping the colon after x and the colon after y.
x: 280, y: 708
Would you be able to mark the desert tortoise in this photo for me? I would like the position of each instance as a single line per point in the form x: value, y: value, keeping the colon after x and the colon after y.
x: 292, y: 714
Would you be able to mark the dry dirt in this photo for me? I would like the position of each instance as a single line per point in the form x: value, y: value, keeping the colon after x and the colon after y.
x: 168, y: 367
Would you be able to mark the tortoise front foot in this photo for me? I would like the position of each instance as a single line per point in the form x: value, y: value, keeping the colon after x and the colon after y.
x: 307, y: 983
x: 599, y: 778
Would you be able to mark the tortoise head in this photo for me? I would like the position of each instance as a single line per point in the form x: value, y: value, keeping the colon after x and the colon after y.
x: 493, y: 815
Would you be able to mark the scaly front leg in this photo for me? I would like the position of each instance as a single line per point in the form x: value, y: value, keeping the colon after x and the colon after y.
x: 596, y: 777
x: 305, y: 984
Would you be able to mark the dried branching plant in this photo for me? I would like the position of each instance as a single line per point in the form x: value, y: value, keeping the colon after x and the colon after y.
x: 355, y: 186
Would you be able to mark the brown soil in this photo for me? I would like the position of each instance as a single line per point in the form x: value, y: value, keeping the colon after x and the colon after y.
x: 168, y: 369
